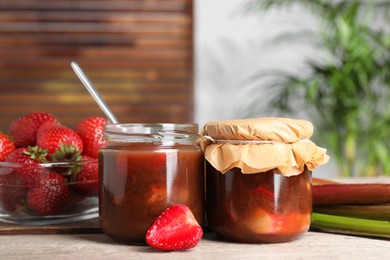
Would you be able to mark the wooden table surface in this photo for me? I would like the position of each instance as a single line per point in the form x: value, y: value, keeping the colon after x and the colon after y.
x: 86, y: 241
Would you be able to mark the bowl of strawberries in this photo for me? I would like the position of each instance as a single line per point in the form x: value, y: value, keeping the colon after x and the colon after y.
x: 49, y: 171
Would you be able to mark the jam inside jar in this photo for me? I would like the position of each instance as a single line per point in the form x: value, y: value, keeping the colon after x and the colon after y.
x: 262, y: 207
x: 144, y: 169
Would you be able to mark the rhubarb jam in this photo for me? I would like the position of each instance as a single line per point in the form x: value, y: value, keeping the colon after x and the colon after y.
x: 145, y: 169
x: 262, y: 207
x: 258, y: 178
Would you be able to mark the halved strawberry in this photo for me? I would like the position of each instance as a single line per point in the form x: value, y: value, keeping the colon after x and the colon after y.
x: 51, y: 135
x: 175, y: 229
x: 6, y: 146
x: 50, y: 196
x: 24, y: 129
x: 91, y: 132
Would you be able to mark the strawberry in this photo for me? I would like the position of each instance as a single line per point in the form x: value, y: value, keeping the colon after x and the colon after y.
x: 27, y: 155
x: 50, y: 197
x: 87, y: 179
x: 24, y: 129
x: 51, y: 135
x: 175, y: 229
x: 10, y: 196
x: 26, y: 175
x: 91, y: 132
x: 27, y: 170
x: 15, y: 180
x: 6, y: 146
x: 21, y: 173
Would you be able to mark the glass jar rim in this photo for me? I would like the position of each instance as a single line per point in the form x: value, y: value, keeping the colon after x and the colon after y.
x: 150, y: 128
x: 162, y: 133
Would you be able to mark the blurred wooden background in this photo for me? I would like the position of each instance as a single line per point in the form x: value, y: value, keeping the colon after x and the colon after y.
x: 138, y: 54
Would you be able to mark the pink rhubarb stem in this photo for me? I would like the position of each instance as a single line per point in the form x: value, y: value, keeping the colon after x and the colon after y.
x: 332, y: 194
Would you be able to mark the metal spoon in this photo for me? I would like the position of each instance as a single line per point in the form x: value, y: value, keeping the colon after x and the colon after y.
x: 88, y: 84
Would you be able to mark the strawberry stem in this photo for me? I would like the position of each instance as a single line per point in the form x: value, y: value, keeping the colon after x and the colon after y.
x: 66, y: 152
x: 348, y: 225
x: 36, y: 153
x: 331, y: 194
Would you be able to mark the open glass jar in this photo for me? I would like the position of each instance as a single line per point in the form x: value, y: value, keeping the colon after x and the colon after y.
x: 258, y: 177
x: 144, y: 169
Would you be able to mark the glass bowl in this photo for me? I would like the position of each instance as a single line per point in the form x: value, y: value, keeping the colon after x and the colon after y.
x: 48, y: 193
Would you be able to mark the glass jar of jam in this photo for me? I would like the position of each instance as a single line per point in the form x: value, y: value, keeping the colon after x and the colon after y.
x: 258, y: 178
x: 144, y: 169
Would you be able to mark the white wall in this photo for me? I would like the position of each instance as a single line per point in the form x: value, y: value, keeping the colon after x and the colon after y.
x: 230, y: 47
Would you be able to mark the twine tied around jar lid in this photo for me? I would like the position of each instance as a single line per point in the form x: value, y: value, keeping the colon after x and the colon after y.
x: 262, y: 144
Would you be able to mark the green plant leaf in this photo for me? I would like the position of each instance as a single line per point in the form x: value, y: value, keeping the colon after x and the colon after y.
x: 347, y: 94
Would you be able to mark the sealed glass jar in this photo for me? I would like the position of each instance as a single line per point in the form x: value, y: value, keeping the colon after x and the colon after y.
x: 144, y: 169
x: 258, y: 178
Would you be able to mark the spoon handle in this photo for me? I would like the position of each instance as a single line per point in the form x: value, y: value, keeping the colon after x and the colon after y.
x: 92, y: 90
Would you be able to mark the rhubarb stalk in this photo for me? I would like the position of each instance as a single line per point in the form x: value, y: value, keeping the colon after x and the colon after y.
x: 333, y: 194
x: 378, y: 212
x: 348, y: 225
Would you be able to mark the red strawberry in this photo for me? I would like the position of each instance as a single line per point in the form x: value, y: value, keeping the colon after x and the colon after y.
x: 91, y: 132
x: 26, y: 169
x: 27, y: 155
x: 24, y: 129
x: 175, y: 229
x: 6, y: 146
x: 27, y: 175
x: 88, y: 179
x: 10, y: 196
x: 50, y: 197
x: 15, y: 181
x: 51, y: 135
x: 21, y: 173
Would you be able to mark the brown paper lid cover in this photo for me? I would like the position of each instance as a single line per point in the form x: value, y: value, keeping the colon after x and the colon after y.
x: 261, y: 144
